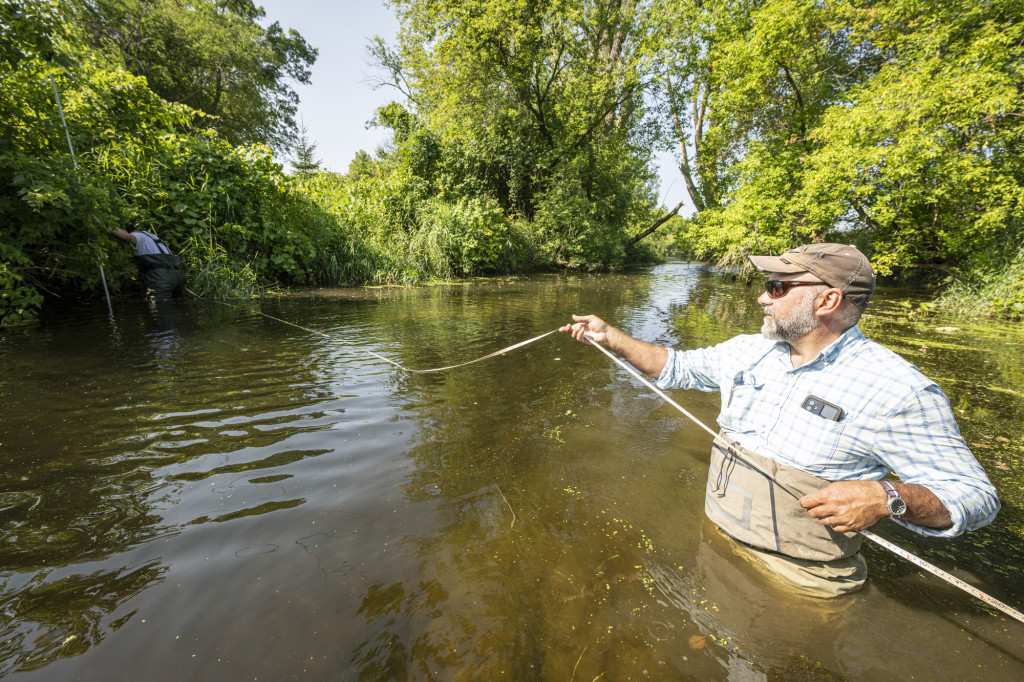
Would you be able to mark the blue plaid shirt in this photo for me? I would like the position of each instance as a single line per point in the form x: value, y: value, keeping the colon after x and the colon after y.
x: 894, y: 418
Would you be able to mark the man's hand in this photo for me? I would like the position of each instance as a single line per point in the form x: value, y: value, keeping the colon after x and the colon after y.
x: 594, y: 328
x: 847, y: 506
x: 646, y: 357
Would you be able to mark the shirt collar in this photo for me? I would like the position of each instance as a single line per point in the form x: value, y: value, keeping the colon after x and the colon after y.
x: 827, y: 354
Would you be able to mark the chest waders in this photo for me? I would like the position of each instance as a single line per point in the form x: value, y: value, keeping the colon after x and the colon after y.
x: 161, y: 272
x: 763, y: 511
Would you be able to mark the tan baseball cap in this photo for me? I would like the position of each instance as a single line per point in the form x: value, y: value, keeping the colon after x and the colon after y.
x: 838, y: 265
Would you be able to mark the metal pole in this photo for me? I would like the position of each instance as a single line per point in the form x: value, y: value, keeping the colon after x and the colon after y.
x: 74, y: 162
x: 60, y: 110
x: 103, y: 277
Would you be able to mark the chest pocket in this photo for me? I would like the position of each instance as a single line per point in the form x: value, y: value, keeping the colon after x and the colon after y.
x: 741, y: 402
x: 807, y: 438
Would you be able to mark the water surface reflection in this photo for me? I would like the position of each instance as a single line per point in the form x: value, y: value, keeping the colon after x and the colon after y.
x: 238, y: 498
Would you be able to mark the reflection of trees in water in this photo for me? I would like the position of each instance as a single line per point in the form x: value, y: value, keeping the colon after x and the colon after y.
x: 81, y: 489
x: 384, y: 656
x: 720, y: 307
x: 488, y: 596
x: 78, y: 491
x: 472, y: 421
x: 67, y: 518
x: 47, y: 620
x: 526, y: 600
x: 977, y: 364
x: 527, y: 603
x: 94, y: 446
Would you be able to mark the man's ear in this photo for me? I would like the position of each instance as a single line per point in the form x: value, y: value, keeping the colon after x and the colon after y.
x: 829, y: 301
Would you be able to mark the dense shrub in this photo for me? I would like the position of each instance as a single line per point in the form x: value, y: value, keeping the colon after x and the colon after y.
x: 430, y: 206
x: 996, y: 291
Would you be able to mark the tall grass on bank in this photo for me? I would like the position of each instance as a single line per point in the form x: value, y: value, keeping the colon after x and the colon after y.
x: 211, y: 274
x: 993, y: 292
x: 364, y: 235
x: 322, y: 229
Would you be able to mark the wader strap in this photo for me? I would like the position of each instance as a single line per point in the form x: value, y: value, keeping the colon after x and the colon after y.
x: 158, y: 261
x: 760, y: 508
x: 160, y: 245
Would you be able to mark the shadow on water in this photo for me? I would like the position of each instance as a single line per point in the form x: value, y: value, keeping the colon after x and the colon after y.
x: 240, y: 498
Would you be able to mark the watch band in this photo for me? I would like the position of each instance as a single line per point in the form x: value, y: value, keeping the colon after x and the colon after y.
x: 895, y: 504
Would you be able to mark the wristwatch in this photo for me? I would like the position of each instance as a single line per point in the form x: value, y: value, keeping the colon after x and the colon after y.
x: 895, y: 504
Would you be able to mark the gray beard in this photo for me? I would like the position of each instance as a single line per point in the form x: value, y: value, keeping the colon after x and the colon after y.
x: 798, y: 323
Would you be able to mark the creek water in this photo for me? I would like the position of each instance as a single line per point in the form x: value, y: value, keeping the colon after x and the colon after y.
x: 195, y: 491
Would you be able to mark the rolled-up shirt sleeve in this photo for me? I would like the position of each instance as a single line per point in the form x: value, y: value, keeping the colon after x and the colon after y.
x: 703, y: 368
x: 922, y: 444
x: 690, y: 369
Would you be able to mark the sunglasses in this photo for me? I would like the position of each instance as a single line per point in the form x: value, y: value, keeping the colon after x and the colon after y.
x: 777, y: 288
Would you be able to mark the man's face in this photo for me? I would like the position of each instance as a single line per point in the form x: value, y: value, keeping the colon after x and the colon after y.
x: 791, y: 316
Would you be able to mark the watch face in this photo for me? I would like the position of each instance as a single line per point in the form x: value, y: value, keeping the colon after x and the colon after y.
x: 897, y: 507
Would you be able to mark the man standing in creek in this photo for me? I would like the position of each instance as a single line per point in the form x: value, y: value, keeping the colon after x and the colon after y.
x: 813, y: 406
x: 160, y: 269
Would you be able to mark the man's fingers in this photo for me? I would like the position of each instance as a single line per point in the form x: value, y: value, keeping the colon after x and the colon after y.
x: 572, y: 329
x: 576, y: 330
x: 820, y: 514
x: 809, y: 502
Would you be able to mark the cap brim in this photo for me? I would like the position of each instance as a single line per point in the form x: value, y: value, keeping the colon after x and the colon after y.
x: 775, y: 264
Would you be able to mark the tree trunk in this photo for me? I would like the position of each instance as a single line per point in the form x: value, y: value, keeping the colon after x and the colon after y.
x: 661, y: 221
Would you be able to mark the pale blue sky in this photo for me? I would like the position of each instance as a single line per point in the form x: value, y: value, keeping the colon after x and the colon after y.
x: 340, y: 100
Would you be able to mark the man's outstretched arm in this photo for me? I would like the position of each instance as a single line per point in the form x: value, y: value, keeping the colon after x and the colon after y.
x: 646, y: 357
x: 121, y: 234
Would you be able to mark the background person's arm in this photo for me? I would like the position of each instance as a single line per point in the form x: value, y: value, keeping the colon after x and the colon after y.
x: 126, y: 236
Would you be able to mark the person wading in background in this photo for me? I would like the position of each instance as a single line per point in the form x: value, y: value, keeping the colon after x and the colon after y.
x: 160, y: 269
x: 826, y: 412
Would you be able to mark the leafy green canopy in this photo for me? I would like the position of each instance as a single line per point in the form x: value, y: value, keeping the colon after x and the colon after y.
x: 535, y: 105
x: 212, y: 55
x: 896, y: 123
x: 526, y: 141
x: 239, y: 222
x: 137, y: 159
x: 928, y: 152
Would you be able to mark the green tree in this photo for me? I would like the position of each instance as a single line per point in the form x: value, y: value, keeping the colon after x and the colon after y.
x: 212, y: 55
x: 362, y: 165
x: 741, y: 87
x: 539, y: 106
x: 306, y: 161
x: 140, y: 159
x: 684, y: 38
x: 928, y: 154
x: 54, y: 211
x: 27, y: 31
x: 893, y: 122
